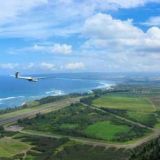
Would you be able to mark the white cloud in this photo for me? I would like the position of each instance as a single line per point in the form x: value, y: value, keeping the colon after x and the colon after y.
x: 115, y: 35
x: 104, y: 26
x: 122, y: 3
x: 153, y: 21
x: 9, y: 66
x: 27, y: 19
x: 13, y: 8
x: 55, y: 48
x: 114, y: 41
x: 43, y: 66
x: 133, y: 62
x: 75, y: 66
x: 38, y: 18
x: 47, y: 66
x: 119, y: 45
x: 38, y: 48
x: 61, y: 48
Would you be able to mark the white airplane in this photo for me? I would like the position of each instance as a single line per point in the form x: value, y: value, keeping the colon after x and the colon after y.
x: 31, y: 79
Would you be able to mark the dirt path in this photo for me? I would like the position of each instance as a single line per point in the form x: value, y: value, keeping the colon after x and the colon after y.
x: 78, y: 139
x: 63, y: 103
x: 127, y: 120
x: 155, y: 132
x: 95, y: 142
x: 120, y: 117
x: 153, y: 105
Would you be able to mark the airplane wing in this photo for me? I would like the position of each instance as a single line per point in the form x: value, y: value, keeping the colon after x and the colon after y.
x: 40, y: 77
x: 20, y: 77
x: 34, y: 79
x: 26, y: 78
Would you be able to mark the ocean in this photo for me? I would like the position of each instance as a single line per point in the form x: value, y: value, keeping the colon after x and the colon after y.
x: 15, y: 92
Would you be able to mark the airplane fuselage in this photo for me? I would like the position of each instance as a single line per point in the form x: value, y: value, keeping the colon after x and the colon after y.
x: 30, y: 79
x: 33, y: 80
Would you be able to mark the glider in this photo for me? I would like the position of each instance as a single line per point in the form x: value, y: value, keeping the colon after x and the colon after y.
x: 31, y: 79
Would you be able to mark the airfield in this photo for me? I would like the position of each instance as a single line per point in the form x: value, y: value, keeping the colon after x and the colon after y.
x: 106, y: 124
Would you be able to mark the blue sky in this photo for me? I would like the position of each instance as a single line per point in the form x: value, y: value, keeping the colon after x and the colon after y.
x: 46, y: 36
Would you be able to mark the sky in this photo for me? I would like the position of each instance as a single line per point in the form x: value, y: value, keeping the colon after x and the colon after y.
x: 47, y: 36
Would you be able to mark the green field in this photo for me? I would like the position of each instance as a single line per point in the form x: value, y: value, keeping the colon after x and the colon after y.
x: 125, y: 103
x: 45, y: 148
x: 156, y: 101
x: 103, y: 125
x: 27, y: 110
x: 79, y: 120
x: 137, y: 109
x: 105, y: 130
x: 44, y: 108
x: 10, y: 147
x: 144, y: 118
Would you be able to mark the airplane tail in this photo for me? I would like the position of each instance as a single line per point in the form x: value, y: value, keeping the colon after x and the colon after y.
x: 17, y: 74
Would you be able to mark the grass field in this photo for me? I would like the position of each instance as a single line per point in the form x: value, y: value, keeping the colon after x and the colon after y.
x: 27, y: 110
x: 81, y: 131
x: 46, y: 148
x: 141, y: 117
x: 125, y: 103
x: 156, y: 101
x: 105, y: 130
x: 30, y: 112
x: 10, y: 147
x: 79, y: 120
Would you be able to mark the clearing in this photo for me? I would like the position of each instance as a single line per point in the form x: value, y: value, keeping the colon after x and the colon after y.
x: 10, y: 147
x: 105, y: 130
x: 125, y: 103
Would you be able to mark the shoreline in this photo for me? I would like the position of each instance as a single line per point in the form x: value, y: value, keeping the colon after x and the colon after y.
x: 58, y: 93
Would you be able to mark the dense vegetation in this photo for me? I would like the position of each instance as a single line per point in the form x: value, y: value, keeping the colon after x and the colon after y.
x: 100, y: 117
x: 63, y: 149
x: 134, y: 102
x: 79, y: 120
x: 4, y: 133
x: 10, y: 147
x: 148, y: 151
x: 51, y: 99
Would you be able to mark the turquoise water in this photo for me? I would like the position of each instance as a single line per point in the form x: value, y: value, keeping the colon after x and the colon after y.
x: 14, y: 92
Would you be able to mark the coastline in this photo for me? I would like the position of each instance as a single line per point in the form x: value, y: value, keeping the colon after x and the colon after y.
x: 24, y: 104
x: 20, y: 100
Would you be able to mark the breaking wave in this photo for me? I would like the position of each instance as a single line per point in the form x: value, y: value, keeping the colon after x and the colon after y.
x: 105, y: 85
x: 10, y: 98
x: 55, y: 92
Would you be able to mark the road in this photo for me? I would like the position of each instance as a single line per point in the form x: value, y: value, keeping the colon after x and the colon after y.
x: 87, y: 141
x: 119, y: 117
x: 123, y: 118
x: 16, y: 115
x: 155, y: 133
x: 95, y: 142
